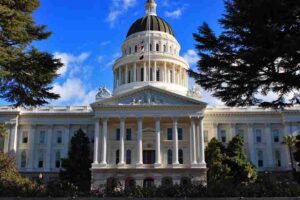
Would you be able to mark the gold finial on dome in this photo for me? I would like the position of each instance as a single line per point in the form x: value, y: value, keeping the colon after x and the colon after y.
x: 150, y: 7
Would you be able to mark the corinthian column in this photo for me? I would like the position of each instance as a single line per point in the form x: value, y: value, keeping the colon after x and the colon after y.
x: 122, y: 137
x: 104, y: 140
x: 157, y: 144
x: 175, y: 142
x: 140, y: 143
x: 96, y: 142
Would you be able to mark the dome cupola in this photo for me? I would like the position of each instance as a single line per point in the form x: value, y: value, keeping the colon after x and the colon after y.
x: 150, y: 56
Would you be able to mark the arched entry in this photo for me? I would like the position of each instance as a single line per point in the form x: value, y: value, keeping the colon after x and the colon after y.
x: 148, y: 182
x: 129, y: 183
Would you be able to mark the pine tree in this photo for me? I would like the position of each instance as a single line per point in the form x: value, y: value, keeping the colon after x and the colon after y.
x: 297, y: 151
x: 241, y: 169
x: 76, y: 168
x: 290, y: 142
x: 25, y: 72
x: 257, y: 53
x: 214, y: 157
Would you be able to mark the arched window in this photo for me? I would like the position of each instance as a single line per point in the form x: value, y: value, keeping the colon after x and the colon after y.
x: 180, y: 156
x: 111, y: 183
x: 170, y: 157
x: 129, y: 183
x: 128, y: 157
x: 167, y: 181
x: 117, y: 156
x: 148, y: 182
x: 57, y: 159
x: 23, y: 159
x: 157, y: 47
x: 185, y: 181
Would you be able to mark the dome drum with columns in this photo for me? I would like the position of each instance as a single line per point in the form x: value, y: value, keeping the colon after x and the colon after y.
x: 161, y: 64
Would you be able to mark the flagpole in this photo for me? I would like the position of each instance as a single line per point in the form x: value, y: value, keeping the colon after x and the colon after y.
x: 149, y: 27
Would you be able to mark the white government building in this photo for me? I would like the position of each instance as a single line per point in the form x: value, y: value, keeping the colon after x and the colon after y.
x: 152, y: 126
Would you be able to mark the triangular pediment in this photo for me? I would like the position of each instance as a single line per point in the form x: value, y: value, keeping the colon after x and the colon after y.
x: 150, y: 95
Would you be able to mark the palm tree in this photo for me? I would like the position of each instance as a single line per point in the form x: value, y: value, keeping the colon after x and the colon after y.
x: 290, y: 141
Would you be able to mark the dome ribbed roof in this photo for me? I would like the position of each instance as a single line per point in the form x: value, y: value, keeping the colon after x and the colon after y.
x: 156, y: 24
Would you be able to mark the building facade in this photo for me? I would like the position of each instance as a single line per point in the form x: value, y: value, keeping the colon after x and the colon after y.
x: 152, y: 127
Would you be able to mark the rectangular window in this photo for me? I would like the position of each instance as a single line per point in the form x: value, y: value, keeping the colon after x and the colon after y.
x: 276, y: 135
x: 277, y: 158
x: 41, y: 159
x: 23, y: 159
x: 57, y: 159
x: 25, y: 137
x: 241, y: 133
x: 205, y: 136
x: 157, y: 75
x: 260, y: 158
x: 151, y: 74
x: 180, y: 133
x: 223, y: 136
x: 118, y: 134
x: 128, y: 134
x: 59, y: 137
x: 258, y: 135
x: 142, y: 74
x: 170, y: 134
x: 42, y: 137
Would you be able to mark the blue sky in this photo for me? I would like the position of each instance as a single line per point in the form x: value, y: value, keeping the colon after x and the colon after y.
x: 87, y: 36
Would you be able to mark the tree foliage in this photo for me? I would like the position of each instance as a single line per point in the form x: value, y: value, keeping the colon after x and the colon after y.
x: 228, y: 164
x: 290, y: 142
x: 297, y: 150
x: 76, y: 168
x: 25, y: 72
x: 257, y: 54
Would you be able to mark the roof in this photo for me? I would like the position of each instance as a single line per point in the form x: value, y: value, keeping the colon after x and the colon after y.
x: 156, y: 24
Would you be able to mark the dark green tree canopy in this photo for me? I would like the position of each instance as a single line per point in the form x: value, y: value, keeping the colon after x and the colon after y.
x: 256, y: 54
x: 228, y: 164
x: 76, y: 168
x: 25, y: 72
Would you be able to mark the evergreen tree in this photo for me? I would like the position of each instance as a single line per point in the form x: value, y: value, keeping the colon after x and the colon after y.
x: 228, y: 164
x: 241, y: 169
x: 297, y: 151
x: 76, y: 168
x: 256, y: 54
x: 290, y: 141
x: 25, y: 72
x: 214, y: 157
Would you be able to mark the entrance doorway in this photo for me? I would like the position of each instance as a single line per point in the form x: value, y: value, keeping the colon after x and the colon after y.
x: 149, y: 157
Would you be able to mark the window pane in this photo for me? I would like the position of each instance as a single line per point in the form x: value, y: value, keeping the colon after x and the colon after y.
x: 170, y: 134
x: 117, y: 156
x: 128, y: 157
x: 180, y: 134
x: 170, y: 157
x: 42, y: 137
x: 25, y: 137
x: 128, y: 134
x: 117, y: 134
x: 276, y: 135
x: 180, y: 156
x: 59, y: 137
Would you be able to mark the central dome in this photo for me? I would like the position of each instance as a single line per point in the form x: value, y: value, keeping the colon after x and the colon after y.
x: 156, y: 24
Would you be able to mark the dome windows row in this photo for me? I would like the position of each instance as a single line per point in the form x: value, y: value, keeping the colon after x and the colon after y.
x: 154, y: 47
x: 157, y: 72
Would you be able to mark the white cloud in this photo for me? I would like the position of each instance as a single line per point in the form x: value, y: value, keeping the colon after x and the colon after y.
x: 175, y: 14
x: 206, y: 96
x: 191, y: 57
x: 68, y: 59
x: 73, y: 92
x: 112, y: 61
x: 118, y: 8
x: 104, y: 43
x: 100, y: 59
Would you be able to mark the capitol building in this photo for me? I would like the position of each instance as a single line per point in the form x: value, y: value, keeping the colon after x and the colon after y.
x: 152, y: 126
